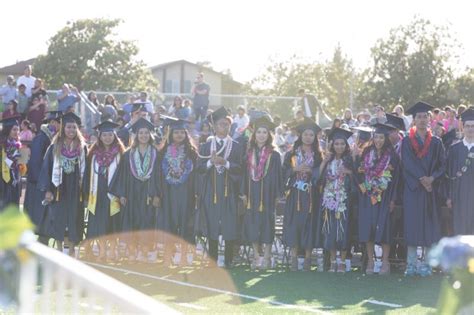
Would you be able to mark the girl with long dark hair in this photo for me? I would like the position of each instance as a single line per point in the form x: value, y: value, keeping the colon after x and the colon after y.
x: 61, y: 179
x: 104, y: 208
x: 262, y: 185
x: 336, y: 187
x: 178, y: 162
x: 136, y: 184
x: 10, y: 182
x: 301, y: 171
x: 378, y: 171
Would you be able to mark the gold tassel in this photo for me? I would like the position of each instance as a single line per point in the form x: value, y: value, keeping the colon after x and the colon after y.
x: 225, y: 184
x: 310, y: 198
x: 215, y: 187
x: 261, y: 195
x: 248, y: 197
x: 57, y: 194
x: 298, y: 202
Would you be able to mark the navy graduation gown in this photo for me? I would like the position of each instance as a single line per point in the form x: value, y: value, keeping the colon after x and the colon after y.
x: 9, y: 192
x: 336, y: 234
x: 67, y: 213
x: 374, y: 220
x: 461, y: 188
x: 219, y: 217
x: 421, y: 209
x: 259, y: 222
x: 178, y: 203
x: 34, y: 196
x: 138, y: 214
x: 300, y: 222
x: 101, y: 222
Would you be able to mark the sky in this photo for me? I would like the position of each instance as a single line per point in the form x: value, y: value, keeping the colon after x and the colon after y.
x: 237, y: 35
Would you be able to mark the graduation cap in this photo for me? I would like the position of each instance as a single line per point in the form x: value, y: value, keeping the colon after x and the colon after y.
x: 306, y: 124
x: 365, y: 133
x: 264, y: 121
x: 220, y: 113
x: 420, y: 107
x: 139, y: 106
x: 449, y: 137
x: 10, y: 121
x: 468, y: 114
x: 174, y: 123
x: 142, y: 123
x: 384, y: 128
x: 53, y: 115
x: 71, y: 118
x: 339, y: 133
x: 395, y: 121
x: 106, y: 126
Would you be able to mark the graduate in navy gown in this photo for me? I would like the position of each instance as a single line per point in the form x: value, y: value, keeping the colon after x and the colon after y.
x: 103, y: 208
x: 220, y: 162
x: 10, y: 181
x: 33, y: 196
x: 378, y: 171
x: 460, y: 173
x: 262, y: 185
x: 337, y: 192
x: 61, y: 179
x: 423, y: 161
x: 136, y: 184
x: 301, y: 173
x: 178, y: 164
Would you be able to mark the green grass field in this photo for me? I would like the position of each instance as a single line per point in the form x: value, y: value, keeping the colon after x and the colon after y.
x: 278, y: 291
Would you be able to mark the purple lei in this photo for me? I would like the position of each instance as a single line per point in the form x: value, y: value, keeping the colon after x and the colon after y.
x: 70, y: 154
x: 105, y: 158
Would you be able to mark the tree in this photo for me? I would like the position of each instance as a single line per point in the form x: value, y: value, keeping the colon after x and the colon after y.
x: 87, y: 54
x: 413, y: 63
x: 464, y: 87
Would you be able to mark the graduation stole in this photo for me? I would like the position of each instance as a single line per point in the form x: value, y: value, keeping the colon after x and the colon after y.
x: 94, y: 180
x: 9, y: 155
x: 420, y: 153
x: 57, y: 173
x: 258, y: 170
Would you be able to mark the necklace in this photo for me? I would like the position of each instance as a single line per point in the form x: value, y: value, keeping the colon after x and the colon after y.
x: 420, y: 153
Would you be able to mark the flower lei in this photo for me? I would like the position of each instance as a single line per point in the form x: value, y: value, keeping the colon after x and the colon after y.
x: 175, y: 165
x: 420, y: 153
x: 258, y: 170
x: 103, y: 157
x: 334, y: 196
x: 69, y: 158
x: 141, y: 171
x: 12, y: 147
x: 377, y: 175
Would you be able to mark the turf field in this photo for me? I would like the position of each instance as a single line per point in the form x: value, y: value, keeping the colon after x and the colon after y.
x: 278, y: 291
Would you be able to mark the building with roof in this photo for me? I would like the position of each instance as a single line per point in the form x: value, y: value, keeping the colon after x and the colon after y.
x: 15, y: 70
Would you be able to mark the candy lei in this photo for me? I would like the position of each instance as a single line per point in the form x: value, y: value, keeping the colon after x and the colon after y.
x: 69, y: 158
x: 258, y: 170
x: 420, y: 152
x: 377, y: 175
x: 334, y: 195
x: 143, y: 171
x: 175, y: 165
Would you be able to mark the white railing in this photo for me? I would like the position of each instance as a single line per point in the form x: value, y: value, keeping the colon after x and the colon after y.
x: 51, y: 282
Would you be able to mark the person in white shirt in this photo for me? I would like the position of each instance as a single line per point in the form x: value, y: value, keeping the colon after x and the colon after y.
x: 27, y: 79
x: 241, y: 121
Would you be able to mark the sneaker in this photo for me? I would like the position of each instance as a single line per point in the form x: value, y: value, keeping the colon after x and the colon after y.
x: 410, y: 271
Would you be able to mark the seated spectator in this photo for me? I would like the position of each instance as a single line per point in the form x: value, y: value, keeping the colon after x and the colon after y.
x: 241, y: 121
x: 10, y: 110
x: 92, y: 97
x: 400, y: 112
x: 379, y: 115
x: 25, y: 134
x: 450, y: 122
x: 348, y: 119
x: 148, y: 104
x: 67, y: 97
x: 8, y: 92
x: 109, y: 110
x: 438, y: 129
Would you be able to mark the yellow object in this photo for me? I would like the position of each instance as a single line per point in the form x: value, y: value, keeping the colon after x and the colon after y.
x: 5, y: 169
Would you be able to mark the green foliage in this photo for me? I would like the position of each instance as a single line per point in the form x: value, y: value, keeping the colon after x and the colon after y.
x: 87, y: 54
x: 12, y: 225
x: 414, y: 63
